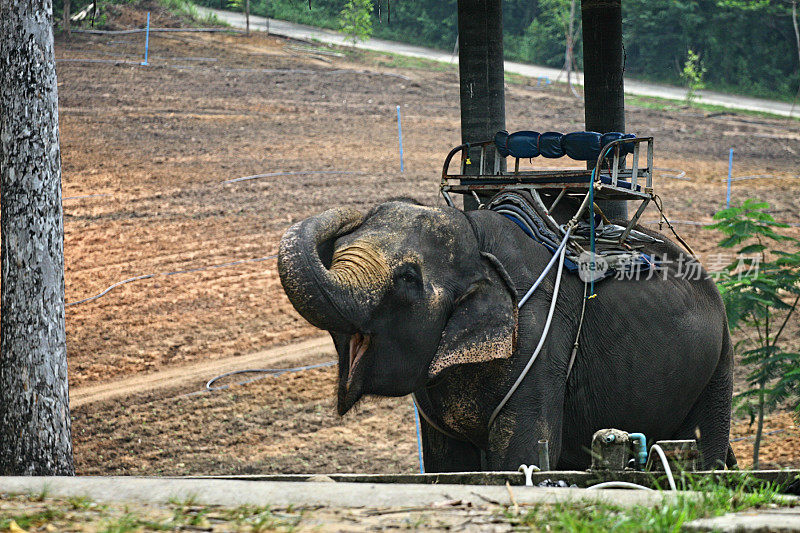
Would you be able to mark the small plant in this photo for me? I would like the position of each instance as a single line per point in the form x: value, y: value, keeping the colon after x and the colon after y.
x: 692, y: 75
x: 761, y: 289
x: 355, y: 20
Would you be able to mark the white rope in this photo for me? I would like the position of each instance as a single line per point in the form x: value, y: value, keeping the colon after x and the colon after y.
x: 544, y: 332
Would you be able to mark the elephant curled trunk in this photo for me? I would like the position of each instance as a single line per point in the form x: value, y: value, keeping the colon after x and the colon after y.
x: 304, y: 258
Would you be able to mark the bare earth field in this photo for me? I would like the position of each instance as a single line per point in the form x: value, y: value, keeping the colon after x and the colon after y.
x: 146, y: 153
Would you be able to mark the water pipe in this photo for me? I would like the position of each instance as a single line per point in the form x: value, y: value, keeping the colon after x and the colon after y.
x: 641, y: 449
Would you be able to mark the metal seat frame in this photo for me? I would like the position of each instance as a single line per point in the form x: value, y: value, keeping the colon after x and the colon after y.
x: 573, y: 183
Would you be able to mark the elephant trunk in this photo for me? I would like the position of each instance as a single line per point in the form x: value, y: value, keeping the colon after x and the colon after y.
x: 304, y: 259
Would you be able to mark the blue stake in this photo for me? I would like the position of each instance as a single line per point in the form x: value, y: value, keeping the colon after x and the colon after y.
x: 146, y: 40
x: 419, y: 437
x: 730, y: 171
x: 400, y: 136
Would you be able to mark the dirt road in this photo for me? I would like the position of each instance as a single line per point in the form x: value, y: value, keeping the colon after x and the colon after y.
x: 196, y: 375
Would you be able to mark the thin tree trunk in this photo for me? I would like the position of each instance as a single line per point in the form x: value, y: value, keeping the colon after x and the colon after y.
x: 796, y: 30
x: 67, y: 29
x: 247, y: 16
x: 34, y: 398
x: 570, y: 59
x: 760, y: 427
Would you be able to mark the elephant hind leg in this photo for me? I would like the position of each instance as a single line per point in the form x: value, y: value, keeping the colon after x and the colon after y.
x: 709, y: 420
x: 730, y: 459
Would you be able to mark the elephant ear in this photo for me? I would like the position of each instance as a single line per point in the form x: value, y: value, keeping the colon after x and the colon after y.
x: 483, y: 325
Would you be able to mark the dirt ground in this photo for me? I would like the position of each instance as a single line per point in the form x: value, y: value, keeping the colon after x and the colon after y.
x: 146, y: 155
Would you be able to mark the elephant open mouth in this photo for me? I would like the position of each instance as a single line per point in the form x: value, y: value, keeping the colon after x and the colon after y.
x: 351, y: 383
x: 358, y: 347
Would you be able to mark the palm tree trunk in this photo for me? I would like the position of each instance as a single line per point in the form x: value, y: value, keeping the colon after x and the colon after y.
x: 603, y: 85
x: 481, y: 77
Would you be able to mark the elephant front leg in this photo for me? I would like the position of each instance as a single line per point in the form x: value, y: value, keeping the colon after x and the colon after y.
x: 444, y: 454
x: 514, y: 440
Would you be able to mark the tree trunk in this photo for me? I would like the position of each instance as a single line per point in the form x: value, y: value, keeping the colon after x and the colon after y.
x: 569, y: 60
x: 760, y: 426
x: 481, y: 77
x: 34, y: 398
x: 796, y: 31
x: 67, y: 29
x: 603, y: 86
x: 247, y: 16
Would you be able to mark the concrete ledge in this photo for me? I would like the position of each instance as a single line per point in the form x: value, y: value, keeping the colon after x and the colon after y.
x: 308, y: 494
x: 582, y: 479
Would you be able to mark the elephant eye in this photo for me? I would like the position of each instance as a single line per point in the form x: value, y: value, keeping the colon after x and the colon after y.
x: 409, y: 273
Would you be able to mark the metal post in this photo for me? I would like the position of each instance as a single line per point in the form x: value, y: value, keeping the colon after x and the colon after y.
x: 544, y: 455
x: 730, y: 173
x: 146, y: 40
x: 400, y: 137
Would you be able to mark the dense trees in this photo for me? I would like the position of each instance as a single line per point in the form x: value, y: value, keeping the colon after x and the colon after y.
x: 744, y: 50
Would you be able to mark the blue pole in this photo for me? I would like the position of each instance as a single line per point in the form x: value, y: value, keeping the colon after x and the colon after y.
x: 730, y: 171
x: 400, y: 136
x: 146, y: 40
x: 419, y: 436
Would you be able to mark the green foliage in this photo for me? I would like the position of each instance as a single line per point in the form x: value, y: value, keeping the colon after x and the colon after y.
x: 692, y: 75
x: 355, y: 21
x: 761, y: 289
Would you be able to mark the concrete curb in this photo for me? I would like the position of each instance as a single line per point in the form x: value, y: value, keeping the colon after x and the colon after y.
x: 310, y: 494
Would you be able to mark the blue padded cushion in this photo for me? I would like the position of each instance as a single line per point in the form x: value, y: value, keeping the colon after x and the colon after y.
x: 582, y: 145
x: 625, y: 148
x: 550, y: 144
x: 501, y: 143
x: 524, y: 144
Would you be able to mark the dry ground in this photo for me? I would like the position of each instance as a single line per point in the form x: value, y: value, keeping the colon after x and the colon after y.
x: 158, y: 143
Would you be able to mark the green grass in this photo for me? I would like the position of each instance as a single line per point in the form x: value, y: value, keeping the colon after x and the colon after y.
x: 391, y: 60
x: 666, y: 104
x: 709, y: 499
x: 263, y: 519
x: 28, y: 520
x: 188, y: 11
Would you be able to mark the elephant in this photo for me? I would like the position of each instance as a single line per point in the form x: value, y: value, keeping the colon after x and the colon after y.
x: 423, y: 300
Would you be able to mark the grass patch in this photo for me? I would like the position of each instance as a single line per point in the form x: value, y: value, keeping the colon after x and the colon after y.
x: 391, y: 60
x: 28, y: 520
x: 710, y: 499
x: 259, y: 519
x: 188, y: 12
x: 130, y: 522
x: 665, y: 104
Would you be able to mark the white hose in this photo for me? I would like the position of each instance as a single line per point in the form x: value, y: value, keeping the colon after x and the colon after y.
x: 544, y: 332
x: 550, y: 264
x: 619, y: 485
x: 665, y: 464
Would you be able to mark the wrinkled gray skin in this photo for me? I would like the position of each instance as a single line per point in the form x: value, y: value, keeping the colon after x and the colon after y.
x: 424, y: 300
